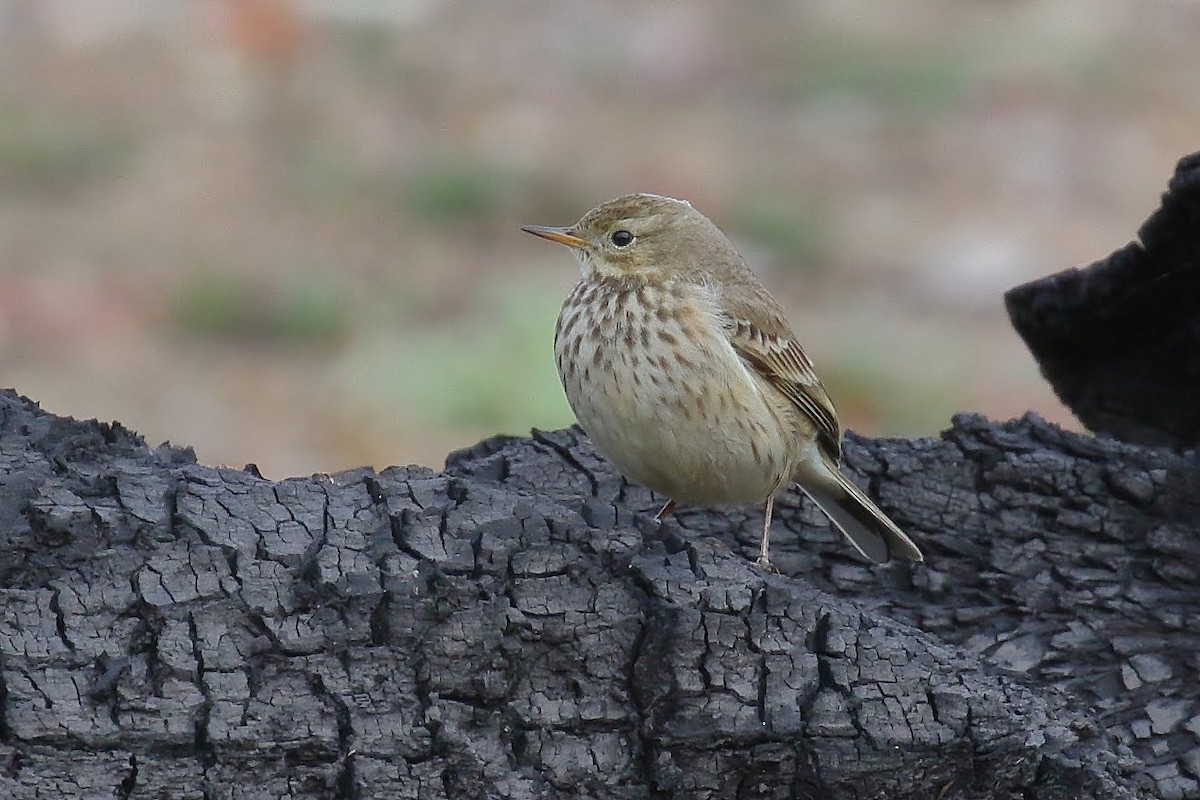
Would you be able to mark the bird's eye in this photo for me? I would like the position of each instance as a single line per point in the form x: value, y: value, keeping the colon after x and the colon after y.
x: 622, y: 238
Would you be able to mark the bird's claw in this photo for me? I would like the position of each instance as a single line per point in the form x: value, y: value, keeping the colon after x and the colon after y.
x: 766, y: 566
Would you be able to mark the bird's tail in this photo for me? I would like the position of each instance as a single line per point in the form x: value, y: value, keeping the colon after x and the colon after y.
x: 855, y: 515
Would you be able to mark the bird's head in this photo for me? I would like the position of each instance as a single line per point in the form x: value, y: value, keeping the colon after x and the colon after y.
x: 645, y: 237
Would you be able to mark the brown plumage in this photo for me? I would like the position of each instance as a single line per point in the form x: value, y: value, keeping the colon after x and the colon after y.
x: 684, y: 371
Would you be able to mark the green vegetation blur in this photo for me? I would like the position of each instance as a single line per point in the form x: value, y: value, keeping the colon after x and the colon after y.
x: 289, y: 233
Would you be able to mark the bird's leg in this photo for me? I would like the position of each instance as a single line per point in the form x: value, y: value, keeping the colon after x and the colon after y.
x: 764, y: 560
x: 666, y: 533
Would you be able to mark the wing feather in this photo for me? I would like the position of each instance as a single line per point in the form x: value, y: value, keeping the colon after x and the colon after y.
x: 760, y: 335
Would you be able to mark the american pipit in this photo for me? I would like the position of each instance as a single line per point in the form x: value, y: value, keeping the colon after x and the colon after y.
x: 684, y: 372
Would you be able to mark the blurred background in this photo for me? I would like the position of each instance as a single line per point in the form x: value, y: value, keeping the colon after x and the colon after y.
x: 288, y: 232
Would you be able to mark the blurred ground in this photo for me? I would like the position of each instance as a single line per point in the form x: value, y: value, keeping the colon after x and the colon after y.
x: 289, y: 233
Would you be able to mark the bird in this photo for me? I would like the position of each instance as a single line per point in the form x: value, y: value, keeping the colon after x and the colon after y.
x: 684, y: 372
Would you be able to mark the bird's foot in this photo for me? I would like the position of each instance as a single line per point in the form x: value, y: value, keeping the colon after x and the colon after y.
x: 765, y: 565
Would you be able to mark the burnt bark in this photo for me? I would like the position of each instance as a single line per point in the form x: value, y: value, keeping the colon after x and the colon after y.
x: 1119, y: 340
x: 517, y: 627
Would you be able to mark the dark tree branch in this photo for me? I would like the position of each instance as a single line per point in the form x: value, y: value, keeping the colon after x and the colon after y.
x: 1120, y: 340
x: 518, y: 627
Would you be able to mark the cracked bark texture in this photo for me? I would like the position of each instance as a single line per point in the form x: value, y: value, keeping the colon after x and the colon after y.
x: 1118, y: 339
x: 517, y: 627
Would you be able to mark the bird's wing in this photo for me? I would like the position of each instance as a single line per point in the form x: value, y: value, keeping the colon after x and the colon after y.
x: 760, y: 334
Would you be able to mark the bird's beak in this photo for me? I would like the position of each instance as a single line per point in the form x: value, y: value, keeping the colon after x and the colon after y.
x: 560, y: 235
